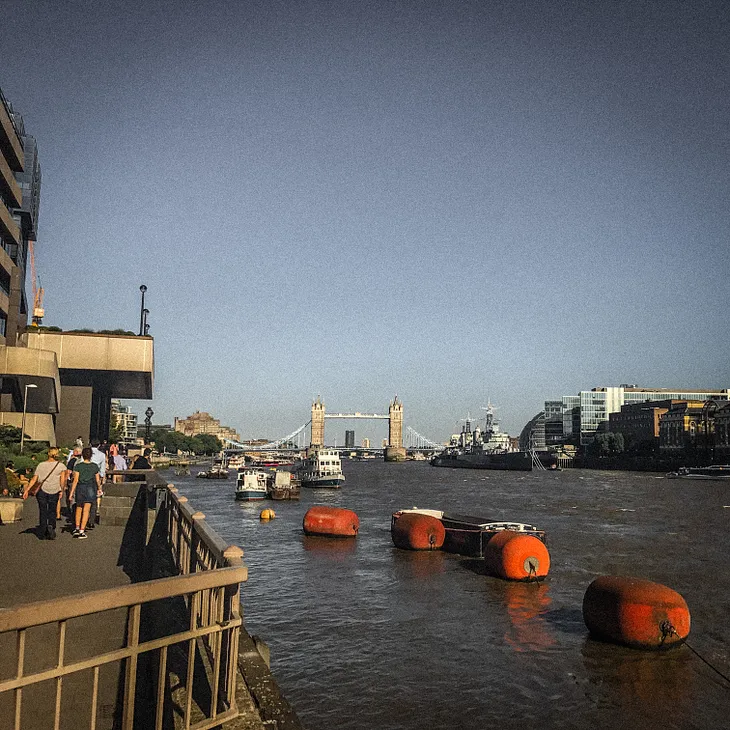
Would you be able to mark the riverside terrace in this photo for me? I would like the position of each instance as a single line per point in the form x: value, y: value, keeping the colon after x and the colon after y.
x: 138, y: 627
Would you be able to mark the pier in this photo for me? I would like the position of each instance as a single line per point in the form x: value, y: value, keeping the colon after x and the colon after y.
x: 139, y: 626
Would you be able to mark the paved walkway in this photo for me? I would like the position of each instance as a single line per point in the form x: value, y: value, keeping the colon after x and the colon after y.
x: 36, y: 570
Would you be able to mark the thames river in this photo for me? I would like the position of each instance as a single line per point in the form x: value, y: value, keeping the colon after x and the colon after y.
x: 364, y: 636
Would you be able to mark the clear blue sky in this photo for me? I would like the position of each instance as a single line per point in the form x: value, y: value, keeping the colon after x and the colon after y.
x: 451, y: 201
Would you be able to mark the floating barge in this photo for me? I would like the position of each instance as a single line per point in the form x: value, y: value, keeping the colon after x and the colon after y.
x: 469, y: 535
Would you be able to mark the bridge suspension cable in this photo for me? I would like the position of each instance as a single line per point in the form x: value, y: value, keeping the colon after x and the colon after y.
x: 269, y: 445
x: 416, y: 441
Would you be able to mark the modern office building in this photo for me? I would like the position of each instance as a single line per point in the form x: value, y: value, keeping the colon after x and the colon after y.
x: 597, y: 404
x: 532, y: 436
x: 590, y: 410
x: 41, y: 370
x: 125, y: 421
x: 553, y: 422
x: 571, y: 417
x: 349, y: 439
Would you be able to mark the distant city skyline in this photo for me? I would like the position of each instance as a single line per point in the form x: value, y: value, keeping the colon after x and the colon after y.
x: 454, y: 202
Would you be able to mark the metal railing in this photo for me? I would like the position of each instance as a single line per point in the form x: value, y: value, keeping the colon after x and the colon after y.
x: 211, y: 573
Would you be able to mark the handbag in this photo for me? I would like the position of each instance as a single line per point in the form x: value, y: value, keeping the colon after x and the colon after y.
x: 37, y: 486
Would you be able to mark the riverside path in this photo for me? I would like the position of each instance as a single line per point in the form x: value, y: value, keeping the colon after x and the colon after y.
x: 138, y: 626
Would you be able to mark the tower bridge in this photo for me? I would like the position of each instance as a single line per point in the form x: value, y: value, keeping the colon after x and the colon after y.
x: 394, y: 451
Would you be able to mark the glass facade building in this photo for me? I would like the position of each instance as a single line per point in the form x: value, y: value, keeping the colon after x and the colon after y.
x: 598, y: 403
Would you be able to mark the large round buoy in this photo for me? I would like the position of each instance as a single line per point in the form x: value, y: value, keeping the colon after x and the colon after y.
x: 516, y: 556
x: 413, y: 531
x: 267, y: 514
x: 331, y: 521
x: 635, y: 612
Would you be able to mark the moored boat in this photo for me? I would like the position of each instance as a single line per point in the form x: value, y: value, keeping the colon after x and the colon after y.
x: 487, y: 449
x: 321, y: 468
x: 251, y: 485
x: 284, y: 485
x: 468, y: 535
x: 215, y: 472
x: 716, y: 472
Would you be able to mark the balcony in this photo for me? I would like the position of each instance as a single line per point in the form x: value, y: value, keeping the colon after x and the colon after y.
x: 11, y: 145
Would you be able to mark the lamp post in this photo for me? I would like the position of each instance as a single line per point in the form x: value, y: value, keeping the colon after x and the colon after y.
x: 25, y: 408
x: 143, y: 289
x: 148, y: 424
x: 145, y: 326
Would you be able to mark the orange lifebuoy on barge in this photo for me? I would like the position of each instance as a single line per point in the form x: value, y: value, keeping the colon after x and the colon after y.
x: 412, y: 531
x: 331, y: 522
x: 636, y: 613
x: 516, y: 556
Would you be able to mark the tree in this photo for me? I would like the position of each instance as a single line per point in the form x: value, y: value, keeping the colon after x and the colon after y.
x: 607, y: 444
x: 206, y: 443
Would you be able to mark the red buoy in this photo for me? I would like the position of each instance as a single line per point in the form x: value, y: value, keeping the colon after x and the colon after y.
x: 413, y: 531
x: 516, y: 556
x: 331, y: 522
x: 635, y: 612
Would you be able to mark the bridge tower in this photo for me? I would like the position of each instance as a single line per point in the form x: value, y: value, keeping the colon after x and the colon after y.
x: 395, y: 451
x: 317, y: 438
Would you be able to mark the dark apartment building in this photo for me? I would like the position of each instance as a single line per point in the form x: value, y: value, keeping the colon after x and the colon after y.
x: 41, y: 369
x: 349, y: 439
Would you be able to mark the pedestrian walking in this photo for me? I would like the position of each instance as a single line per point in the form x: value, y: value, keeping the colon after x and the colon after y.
x: 99, y: 458
x: 46, y: 484
x: 85, y: 488
x: 73, y: 457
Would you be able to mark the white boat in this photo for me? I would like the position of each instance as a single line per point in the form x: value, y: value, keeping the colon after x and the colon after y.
x: 717, y: 472
x: 252, y: 485
x: 322, y: 468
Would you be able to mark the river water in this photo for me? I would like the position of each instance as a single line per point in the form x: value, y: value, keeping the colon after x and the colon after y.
x: 365, y: 636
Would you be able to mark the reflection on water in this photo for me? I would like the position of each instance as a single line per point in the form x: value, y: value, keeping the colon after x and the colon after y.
x: 654, y: 685
x: 525, y: 604
x: 363, y: 635
x: 328, y: 546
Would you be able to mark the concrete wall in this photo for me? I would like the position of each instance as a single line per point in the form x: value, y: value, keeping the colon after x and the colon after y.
x: 75, y: 418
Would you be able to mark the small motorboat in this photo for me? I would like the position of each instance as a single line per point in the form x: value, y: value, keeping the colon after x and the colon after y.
x: 215, y: 472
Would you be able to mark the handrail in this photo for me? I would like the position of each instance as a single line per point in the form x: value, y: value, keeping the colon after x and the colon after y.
x: 38, y: 613
x: 209, y: 579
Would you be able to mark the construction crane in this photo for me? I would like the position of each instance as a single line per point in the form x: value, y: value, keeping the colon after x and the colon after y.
x: 38, y: 310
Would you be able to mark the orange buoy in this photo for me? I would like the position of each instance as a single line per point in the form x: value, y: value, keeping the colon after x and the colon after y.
x: 412, y: 531
x: 635, y: 612
x: 516, y: 556
x: 331, y: 522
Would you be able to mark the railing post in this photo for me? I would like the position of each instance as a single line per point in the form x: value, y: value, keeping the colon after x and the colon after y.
x: 194, y: 541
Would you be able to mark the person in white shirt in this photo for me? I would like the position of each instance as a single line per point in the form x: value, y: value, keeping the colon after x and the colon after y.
x: 98, y: 457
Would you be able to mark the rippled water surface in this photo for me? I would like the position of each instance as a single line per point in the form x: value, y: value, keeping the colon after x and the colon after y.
x: 363, y: 635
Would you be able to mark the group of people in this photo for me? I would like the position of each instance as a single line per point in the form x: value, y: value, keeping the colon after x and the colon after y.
x: 80, y: 480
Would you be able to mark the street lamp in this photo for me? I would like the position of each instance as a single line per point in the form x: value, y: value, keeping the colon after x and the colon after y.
x: 143, y: 289
x: 25, y: 408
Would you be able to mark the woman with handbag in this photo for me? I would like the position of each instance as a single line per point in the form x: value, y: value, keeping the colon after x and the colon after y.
x: 46, y: 485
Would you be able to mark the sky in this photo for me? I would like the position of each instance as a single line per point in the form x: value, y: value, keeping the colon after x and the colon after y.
x: 454, y: 202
